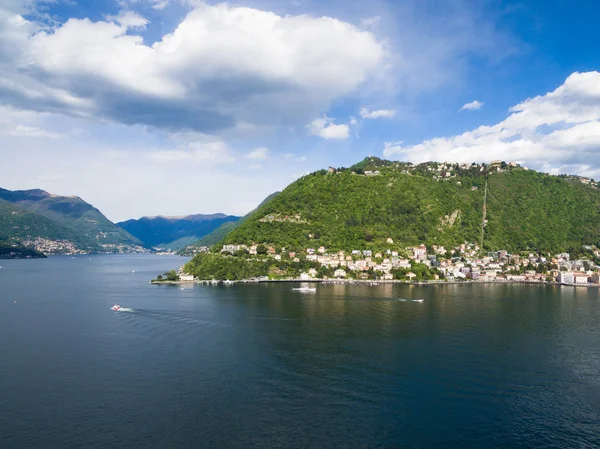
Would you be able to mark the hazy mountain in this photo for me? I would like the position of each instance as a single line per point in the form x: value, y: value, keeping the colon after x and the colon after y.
x: 222, y: 231
x: 174, y: 232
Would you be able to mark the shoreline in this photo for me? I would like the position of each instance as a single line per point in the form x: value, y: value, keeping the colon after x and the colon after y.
x: 370, y: 283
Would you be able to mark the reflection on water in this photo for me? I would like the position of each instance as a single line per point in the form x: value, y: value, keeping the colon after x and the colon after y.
x: 264, y: 366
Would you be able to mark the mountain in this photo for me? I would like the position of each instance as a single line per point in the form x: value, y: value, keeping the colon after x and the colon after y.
x: 363, y: 206
x: 31, y: 214
x: 226, y: 228
x: 17, y: 223
x: 174, y: 232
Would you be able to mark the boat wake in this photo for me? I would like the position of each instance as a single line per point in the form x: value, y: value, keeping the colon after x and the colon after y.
x: 410, y: 300
x: 118, y: 308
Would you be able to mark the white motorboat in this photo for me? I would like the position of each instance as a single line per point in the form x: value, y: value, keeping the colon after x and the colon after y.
x: 116, y: 308
x: 305, y: 289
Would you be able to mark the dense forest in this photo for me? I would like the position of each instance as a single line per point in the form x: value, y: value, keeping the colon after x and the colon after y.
x: 433, y: 203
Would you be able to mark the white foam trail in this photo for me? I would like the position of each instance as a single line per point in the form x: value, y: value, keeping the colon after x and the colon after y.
x: 125, y: 309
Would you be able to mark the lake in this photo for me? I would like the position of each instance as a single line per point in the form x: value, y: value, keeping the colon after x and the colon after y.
x: 261, y: 366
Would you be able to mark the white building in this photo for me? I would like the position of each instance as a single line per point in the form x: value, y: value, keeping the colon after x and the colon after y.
x: 581, y: 278
x: 186, y: 277
x: 339, y: 273
x: 566, y: 277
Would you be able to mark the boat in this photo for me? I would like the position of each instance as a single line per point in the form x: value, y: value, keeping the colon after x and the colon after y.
x: 305, y: 289
x: 228, y: 282
x: 116, y: 308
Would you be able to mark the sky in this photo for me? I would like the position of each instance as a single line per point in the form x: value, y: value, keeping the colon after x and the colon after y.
x: 176, y: 107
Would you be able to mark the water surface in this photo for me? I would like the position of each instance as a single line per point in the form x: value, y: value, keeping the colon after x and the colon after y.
x: 260, y: 366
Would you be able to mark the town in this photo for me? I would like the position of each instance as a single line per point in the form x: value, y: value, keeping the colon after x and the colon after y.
x: 464, y: 263
x: 51, y: 247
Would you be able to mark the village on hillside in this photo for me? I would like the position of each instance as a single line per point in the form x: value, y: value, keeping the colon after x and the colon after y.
x: 425, y: 264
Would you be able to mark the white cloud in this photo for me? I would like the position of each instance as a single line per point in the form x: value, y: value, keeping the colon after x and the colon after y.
x: 33, y: 131
x: 160, y: 4
x: 155, y: 4
x: 325, y: 127
x: 377, y: 113
x: 558, y: 129
x: 258, y: 153
x: 295, y: 158
x: 472, y: 106
x: 17, y: 123
x: 208, y: 150
x: 222, y: 66
x: 369, y: 22
x: 254, y: 167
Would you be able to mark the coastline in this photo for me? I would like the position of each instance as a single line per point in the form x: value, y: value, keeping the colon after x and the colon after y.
x: 370, y: 283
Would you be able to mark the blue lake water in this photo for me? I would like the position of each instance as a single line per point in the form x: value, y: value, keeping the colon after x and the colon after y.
x: 261, y: 366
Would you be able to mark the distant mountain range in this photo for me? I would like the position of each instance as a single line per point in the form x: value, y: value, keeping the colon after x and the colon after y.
x: 223, y: 230
x: 173, y: 233
x: 56, y: 224
x: 42, y: 220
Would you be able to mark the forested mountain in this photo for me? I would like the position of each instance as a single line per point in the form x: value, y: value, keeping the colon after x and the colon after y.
x: 433, y: 203
x: 19, y: 224
x: 175, y: 232
x: 35, y: 214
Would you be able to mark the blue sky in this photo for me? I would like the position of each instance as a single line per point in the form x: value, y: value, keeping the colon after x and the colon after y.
x: 173, y: 107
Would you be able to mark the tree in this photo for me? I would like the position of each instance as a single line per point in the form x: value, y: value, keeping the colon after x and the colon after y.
x: 261, y: 249
x: 172, y: 276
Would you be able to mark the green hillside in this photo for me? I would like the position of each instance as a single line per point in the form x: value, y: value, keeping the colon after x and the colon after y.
x: 364, y: 205
x: 19, y: 224
x: 89, y: 227
x: 225, y: 229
